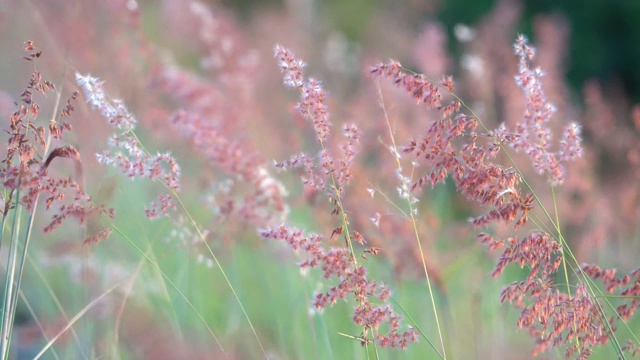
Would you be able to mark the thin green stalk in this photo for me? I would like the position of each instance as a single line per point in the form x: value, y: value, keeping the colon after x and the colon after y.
x: 413, y: 221
x: 564, y: 259
x: 415, y: 324
x: 55, y: 299
x: 166, y: 277
x: 27, y: 304
x: 215, y: 258
x: 8, y: 308
x: 25, y: 247
x: 125, y: 296
x: 345, y: 226
x: 365, y: 342
x: 375, y: 348
x: 343, y: 219
x: 73, y: 320
x: 219, y: 265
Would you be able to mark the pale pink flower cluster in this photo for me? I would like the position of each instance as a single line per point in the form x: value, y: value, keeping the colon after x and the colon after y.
x: 337, y: 263
x: 312, y: 106
x: 533, y: 134
x: 209, y: 118
x: 312, y: 95
x: 125, y: 152
x: 33, y: 154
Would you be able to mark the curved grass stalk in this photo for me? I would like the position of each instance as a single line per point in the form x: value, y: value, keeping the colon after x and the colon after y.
x: 73, y: 320
x: 564, y: 259
x: 213, y: 255
x: 224, y: 274
x: 55, y: 299
x: 27, y: 304
x: 415, y: 324
x: 126, y: 292
x: 166, y: 278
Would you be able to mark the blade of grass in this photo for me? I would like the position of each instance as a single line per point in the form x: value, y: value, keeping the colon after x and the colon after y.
x: 74, y: 319
x: 55, y: 299
x: 27, y: 304
x: 415, y: 324
x: 125, y: 296
x: 8, y: 307
x: 213, y: 255
x: 167, y: 279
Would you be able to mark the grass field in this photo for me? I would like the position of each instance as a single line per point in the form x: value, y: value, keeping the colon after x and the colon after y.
x: 162, y: 164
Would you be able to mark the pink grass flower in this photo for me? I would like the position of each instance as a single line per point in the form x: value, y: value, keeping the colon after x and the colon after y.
x: 312, y: 95
x: 33, y: 155
x: 337, y: 264
x: 125, y: 152
x: 332, y: 174
x: 451, y: 147
x: 533, y: 134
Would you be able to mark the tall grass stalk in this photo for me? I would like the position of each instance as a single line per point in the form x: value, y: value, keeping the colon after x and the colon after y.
x: 17, y: 254
x: 75, y: 318
x: 405, y: 183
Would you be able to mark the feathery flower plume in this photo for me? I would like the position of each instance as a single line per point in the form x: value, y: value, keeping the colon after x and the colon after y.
x: 450, y: 147
x: 332, y: 175
x: 28, y: 169
x: 312, y: 94
x: 210, y: 119
x: 533, y: 135
x: 125, y: 152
